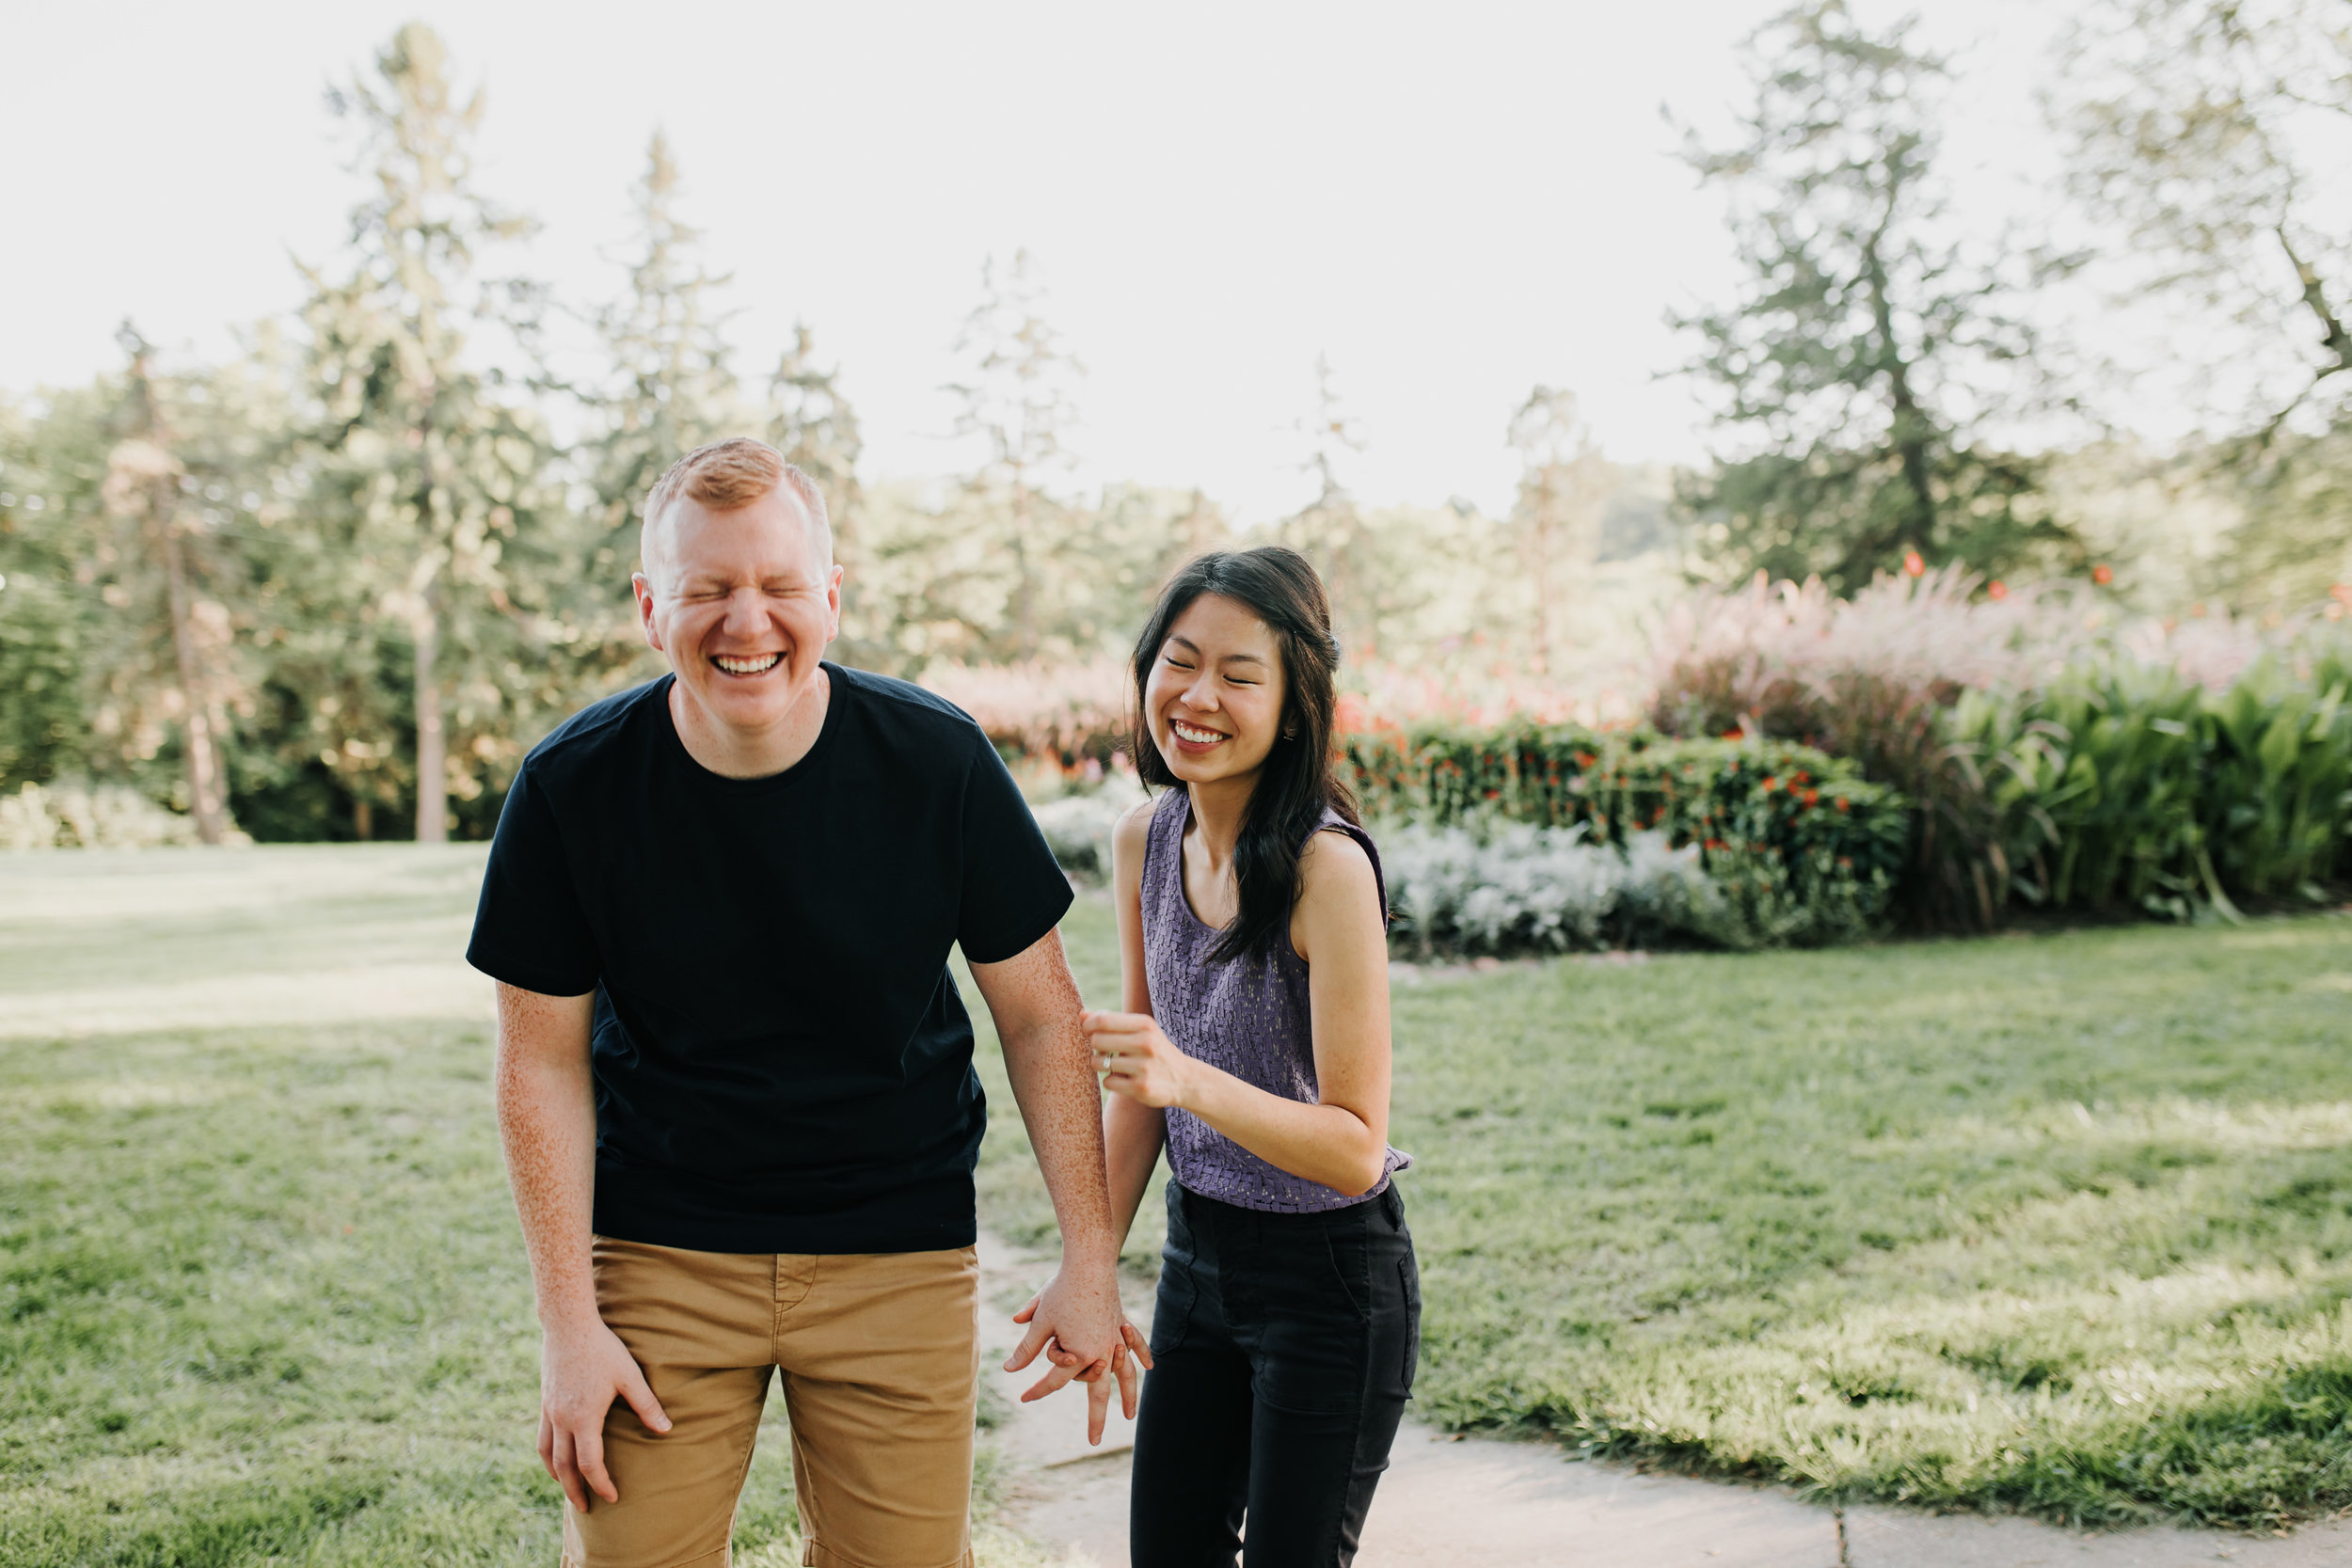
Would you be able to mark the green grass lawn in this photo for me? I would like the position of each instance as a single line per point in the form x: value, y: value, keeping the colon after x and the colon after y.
x: 2062, y: 1223
x: 2059, y: 1223
x: 262, y: 1298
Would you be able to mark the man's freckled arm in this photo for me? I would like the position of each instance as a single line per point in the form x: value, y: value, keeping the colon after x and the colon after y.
x: 547, y: 1123
x: 1035, y: 1003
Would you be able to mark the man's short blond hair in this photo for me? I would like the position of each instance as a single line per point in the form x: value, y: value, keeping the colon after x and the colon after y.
x: 726, y: 475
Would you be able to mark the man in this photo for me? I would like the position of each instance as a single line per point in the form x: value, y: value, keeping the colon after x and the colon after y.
x: 734, y: 1074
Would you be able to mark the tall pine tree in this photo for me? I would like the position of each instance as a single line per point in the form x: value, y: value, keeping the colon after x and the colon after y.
x: 671, y: 385
x: 1867, y: 340
x: 1016, y: 396
x: 429, y: 480
x: 811, y: 423
x: 1564, y: 487
x: 145, y: 482
x: 1331, y: 530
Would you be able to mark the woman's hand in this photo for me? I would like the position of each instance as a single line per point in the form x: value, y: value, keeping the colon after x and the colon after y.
x: 1136, y: 1059
x: 1131, y: 1343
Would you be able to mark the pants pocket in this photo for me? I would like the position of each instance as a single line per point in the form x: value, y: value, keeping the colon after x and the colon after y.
x: 1171, y: 1305
x: 1350, y: 1252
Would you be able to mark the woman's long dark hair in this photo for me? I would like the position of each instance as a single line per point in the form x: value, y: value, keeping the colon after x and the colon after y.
x: 1297, y: 781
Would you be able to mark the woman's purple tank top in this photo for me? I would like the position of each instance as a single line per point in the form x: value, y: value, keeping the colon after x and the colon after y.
x: 1248, y: 1016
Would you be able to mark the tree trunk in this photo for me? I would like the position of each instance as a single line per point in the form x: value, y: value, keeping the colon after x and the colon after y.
x: 431, y: 743
x: 205, y: 791
x: 1909, y: 429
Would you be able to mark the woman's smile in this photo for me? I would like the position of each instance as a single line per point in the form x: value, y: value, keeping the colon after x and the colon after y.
x: 1196, y: 738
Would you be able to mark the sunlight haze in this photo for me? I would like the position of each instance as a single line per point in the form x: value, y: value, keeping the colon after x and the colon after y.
x: 1215, y: 196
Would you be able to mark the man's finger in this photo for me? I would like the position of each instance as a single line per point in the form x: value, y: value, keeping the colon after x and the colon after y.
x: 1028, y: 1312
x: 1136, y: 1342
x: 588, y: 1453
x: 567, y: 1469
x: 1030, y: 1344
x: 639, y: 1396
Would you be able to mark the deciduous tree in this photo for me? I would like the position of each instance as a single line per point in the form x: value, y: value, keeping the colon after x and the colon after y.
x: 2215, y: 138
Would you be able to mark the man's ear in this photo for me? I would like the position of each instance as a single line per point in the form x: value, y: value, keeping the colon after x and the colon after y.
x: 642, y: 588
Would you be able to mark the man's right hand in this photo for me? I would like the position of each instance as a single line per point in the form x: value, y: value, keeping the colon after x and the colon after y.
x: 581, y: 1371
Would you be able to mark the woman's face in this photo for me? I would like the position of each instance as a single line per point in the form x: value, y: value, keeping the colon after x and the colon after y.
x: 1214, y: 697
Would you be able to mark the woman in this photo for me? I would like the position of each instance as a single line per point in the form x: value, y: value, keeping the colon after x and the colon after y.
x: 1254, y: 1048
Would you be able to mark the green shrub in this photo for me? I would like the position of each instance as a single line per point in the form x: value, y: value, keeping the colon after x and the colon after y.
x: 1804, y: 849
x: 2121, y: 786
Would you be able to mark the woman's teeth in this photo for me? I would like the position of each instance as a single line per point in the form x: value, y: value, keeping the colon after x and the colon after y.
x: 1194, y: 732
x: 754, y: 666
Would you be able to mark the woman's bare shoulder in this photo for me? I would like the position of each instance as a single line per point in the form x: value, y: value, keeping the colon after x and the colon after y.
x: 1134, y: 822
x: 1130, y: 837
x: 1332, y: 859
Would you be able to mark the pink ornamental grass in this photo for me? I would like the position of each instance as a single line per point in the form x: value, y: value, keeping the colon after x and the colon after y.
x: 1767, y: 656
x: 1073, y: 711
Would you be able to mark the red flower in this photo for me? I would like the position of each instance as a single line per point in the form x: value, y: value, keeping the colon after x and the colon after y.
x: 1735, y: 734
x: 1811, y: 796
x: 1717, y: 844
x: 1841, y: 802
x: 1913, y: 564
x: 1769, y: 785
x: 2103, y: 574
x: 1996, y: 589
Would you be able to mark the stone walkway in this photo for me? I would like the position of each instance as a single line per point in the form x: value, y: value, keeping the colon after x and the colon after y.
x: 1479, y: 1503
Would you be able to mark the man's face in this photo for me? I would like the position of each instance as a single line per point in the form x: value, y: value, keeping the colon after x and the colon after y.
x: 744, y: 606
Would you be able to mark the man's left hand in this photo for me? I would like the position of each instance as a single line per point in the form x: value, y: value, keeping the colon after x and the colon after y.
x: 1077, y: 1321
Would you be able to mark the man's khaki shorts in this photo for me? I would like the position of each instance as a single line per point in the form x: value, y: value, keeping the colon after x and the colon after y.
x: 879, y: 1354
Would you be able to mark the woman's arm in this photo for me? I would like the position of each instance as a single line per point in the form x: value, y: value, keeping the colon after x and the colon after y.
x: 1133, y: 1133
x: 1343, y: 1139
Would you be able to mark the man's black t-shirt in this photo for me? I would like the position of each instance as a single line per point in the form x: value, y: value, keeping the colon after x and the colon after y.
x: 782, y: 1061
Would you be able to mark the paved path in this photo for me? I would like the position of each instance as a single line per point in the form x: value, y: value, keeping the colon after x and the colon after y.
x: 1480, y: 1503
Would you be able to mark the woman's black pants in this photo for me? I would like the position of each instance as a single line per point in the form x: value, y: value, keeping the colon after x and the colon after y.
x: 1283, y: 1349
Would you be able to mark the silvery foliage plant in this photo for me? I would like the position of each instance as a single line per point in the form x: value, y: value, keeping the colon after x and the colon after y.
x: 1516, y: 888
x: 1078, y: 826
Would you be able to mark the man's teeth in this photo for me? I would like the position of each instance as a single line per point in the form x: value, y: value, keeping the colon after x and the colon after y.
x: 1194, y: 733
x: 745, y: 666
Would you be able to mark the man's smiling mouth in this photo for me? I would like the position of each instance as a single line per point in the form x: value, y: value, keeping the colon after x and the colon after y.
x: 753, y: 664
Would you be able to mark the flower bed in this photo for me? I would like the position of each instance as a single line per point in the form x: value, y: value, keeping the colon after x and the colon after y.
x: 1799, y: 846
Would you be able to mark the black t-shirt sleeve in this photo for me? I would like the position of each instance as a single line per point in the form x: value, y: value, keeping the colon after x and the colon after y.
x: 1013, y: 891
x: 528, y: 929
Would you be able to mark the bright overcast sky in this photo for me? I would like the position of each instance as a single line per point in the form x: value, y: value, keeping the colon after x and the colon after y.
x: 1452, y: 202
